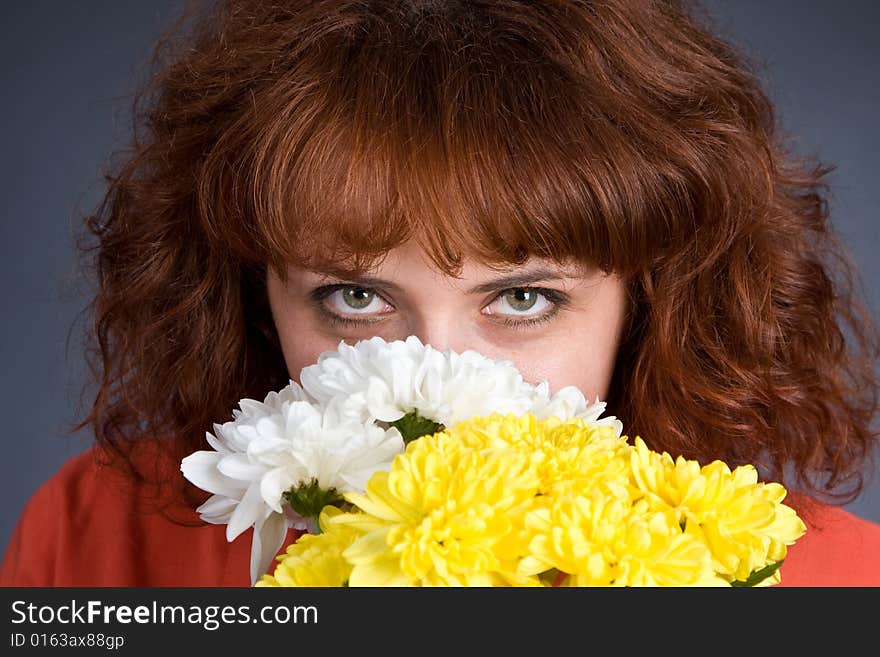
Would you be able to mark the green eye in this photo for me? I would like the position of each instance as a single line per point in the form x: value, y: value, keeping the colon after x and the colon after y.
x: 521, y: 298
x: 357, y: 297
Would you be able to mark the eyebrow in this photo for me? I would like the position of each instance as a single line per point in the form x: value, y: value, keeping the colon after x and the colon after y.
x: 516, y: 279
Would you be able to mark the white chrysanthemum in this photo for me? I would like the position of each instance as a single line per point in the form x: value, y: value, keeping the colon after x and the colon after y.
x: 272, y: 446
x: 250, y: 409
x: 378, y: 380
x: 570, y: 402
x: 333, y: 428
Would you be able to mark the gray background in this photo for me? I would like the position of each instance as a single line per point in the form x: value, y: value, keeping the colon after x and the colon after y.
x: 68, y: 69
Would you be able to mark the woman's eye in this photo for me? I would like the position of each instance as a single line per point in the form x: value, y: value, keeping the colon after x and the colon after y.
x: 520, y: 302
x: 353, y: 299
x: 355, y: 305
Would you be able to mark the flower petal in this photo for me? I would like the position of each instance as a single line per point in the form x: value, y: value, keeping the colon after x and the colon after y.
x: 239, y: 466
x: 217, y: 509
x: 249, y: 510
x: 269, y: 535
x: 200, y: 468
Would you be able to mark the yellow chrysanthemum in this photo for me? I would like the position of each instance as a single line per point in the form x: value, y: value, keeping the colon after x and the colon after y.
x: 602, y: 540
x: 315, y: 559
x: 742, y: 521
x: 513, y: 500
x: 568, y: 454
x: 444, y: 515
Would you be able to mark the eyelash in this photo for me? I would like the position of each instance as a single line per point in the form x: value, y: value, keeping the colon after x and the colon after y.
x: 558, y: 299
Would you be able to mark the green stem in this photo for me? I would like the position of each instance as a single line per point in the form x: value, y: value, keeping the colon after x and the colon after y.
x: 412, y: 426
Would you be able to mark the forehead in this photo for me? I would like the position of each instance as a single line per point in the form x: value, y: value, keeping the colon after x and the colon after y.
x: 410, y: 260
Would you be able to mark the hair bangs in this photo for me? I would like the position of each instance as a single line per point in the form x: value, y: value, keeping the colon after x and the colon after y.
x: 496, y: 152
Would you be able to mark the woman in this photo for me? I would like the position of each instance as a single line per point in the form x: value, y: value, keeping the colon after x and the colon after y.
x: 595, y: 191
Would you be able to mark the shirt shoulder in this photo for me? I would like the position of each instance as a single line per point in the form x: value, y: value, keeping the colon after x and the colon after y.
x: 28, y: 560
x: 839, y: 549
x: 90, y: 525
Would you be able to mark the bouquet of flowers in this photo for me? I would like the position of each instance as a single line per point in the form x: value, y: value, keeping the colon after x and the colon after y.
x: 407, y: 466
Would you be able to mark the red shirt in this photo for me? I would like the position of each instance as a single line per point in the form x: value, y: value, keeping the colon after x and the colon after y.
x: 77, y: 530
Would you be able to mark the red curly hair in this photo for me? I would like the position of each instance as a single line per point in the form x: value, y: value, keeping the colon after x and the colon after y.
x: 628, y: 134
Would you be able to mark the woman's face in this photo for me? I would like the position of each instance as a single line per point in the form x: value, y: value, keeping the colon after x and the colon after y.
x: 557, y: 324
